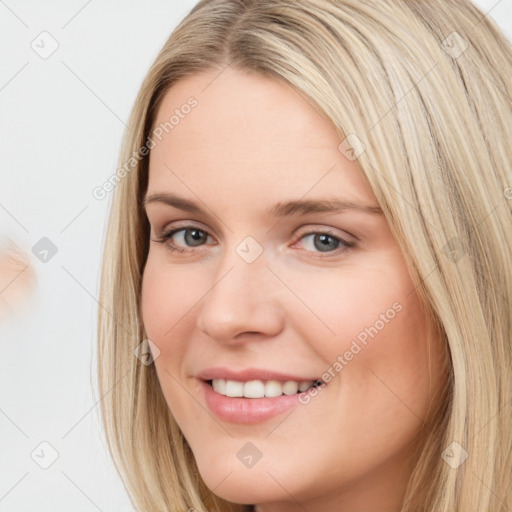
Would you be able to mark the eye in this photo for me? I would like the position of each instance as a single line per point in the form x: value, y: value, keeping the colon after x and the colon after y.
x: 190, y: 235
x: 325, y: 242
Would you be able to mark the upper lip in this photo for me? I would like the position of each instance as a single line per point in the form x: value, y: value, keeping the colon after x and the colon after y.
x: 250, y: 374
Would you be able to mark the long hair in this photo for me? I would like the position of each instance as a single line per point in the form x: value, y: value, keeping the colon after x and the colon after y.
x: 420, y: 94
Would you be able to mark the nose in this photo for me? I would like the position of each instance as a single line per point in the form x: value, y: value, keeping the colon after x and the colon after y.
x: 243, y: 302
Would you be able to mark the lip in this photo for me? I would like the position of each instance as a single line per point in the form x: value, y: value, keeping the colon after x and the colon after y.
x: 247, y: 410
x: 249, y: 374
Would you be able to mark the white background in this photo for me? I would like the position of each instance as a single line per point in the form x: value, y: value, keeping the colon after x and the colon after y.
x: 61, y: 123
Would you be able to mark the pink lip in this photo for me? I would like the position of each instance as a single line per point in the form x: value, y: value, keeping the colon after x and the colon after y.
x: 248, y: 374
x: 247, y: 410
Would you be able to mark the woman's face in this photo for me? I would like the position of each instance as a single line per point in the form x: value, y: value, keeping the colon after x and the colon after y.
x: 261, y: 290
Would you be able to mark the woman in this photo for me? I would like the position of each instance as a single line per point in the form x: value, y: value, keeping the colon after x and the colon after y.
x: 306, y: 287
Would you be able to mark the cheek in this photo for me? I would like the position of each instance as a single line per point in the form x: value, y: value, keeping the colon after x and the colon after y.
x: 386, y: 365
x: 352, y: 306
x: 372, y: 332
x: 168, y: 295
x: 165, y: 302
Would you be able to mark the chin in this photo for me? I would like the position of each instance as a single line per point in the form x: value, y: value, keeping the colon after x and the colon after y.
x: 244, y: 487
x: 259, y: 484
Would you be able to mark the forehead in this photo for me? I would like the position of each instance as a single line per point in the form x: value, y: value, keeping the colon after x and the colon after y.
x: 248, y: 132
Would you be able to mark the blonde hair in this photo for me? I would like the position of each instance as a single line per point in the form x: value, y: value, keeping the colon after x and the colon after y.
x: 422, y: 90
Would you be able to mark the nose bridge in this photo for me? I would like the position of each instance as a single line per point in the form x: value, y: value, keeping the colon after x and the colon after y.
x: 242, y: 296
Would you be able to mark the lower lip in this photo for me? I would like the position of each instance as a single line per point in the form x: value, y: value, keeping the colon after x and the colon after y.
x: 247, y: 410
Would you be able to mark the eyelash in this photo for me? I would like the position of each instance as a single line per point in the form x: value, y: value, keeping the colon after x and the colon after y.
x: 345, y: 244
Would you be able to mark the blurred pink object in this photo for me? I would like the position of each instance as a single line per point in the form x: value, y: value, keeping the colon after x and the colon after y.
x: 17, y: 279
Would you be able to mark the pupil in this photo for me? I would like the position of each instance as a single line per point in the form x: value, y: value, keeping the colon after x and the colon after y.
x: 325, y: 238
x: 197, y: 236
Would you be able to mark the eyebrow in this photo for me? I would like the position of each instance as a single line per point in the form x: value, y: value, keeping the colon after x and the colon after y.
x: 282, y: 209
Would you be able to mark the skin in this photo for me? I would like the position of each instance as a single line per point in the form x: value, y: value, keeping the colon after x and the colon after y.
x: 252, y: 142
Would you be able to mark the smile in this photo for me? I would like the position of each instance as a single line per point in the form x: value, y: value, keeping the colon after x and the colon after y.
x: 261, y: 388
x: 253, y: 396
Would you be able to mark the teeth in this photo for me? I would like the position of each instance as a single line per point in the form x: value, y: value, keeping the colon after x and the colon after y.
x: 259, y: 388
x: 219, y: 385
x: 273, y: 388
x: 254, y: 389
x: 304, y: 385
x: 234, y: 388
x: 290, y: 387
